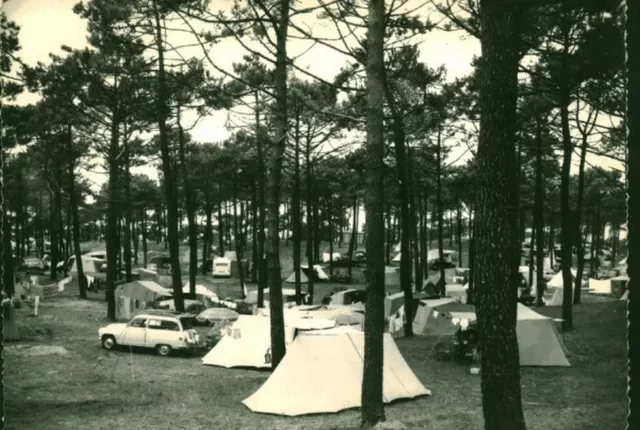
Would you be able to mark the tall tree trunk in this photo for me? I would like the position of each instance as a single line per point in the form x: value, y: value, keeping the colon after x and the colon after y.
x: 254, y: 230
x: 220, y: 229
x: 443, y: 282
x: 7, y: 265
x: 169, y: 179
x: 82, y: 281
x: 317, y: 222
x: 414, y: 228
x: 143, y: 226
x: 208, y: 237
x: 330, y: 198
x: 496, y: 215
x: 128, y: 213
x: 190, y: 205
x: 297, y: 222
x: 387, y: 250
x: 578, y: 222
x: 112, y: 238
x: 310, y: 217
x: 423, y: 232
x: 566, y: 220
x: 472, y: 259
x: 135, y: 232
x: 280, y: 124
x: 239, y: 235
x: 372, y: 410
x: 538, y: 220
x: 459, y: 232
x: 354, y: 233
x: 262, y: 262
x: 405, y: 215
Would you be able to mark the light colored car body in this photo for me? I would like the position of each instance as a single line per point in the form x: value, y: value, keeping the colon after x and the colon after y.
x: 221, y: 267
x: 151, y: 331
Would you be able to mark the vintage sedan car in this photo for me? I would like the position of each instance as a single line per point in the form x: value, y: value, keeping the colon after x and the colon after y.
x: 163, y: 332
x: 32, y: 266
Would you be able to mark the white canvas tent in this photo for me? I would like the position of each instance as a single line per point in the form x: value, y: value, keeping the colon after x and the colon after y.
x: 423, y: 313
x: 245, y: 344
x: 625, y: 296
x: 600, y: 286
x: 397, y: 258
x: 557, y: 283
x: 201, y: 291
x: 305, y: 383
x: 90, y: 265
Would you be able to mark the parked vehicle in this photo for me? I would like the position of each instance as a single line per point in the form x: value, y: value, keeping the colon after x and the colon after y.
x: 32, y: 265
x: 221, y: 267
x: 163, y: 332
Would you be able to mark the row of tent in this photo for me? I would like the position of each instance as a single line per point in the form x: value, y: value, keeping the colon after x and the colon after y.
x: 322, y: 369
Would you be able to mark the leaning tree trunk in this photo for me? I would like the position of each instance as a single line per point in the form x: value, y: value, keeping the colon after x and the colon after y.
x: 262, y: 260
x: 496, y: 219
x: 169, y: 179
x: 372, y: 410
x: 275, y: 178
x: 578, y: 221
x: 82, y: 281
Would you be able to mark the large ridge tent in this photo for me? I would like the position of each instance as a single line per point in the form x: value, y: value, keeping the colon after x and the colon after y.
x: 539, y: 343
x: 423, y: 313
x: 305, y: 383
x: 342, y: 315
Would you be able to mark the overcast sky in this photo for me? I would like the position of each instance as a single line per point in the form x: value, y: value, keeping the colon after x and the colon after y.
x: 48, y: 24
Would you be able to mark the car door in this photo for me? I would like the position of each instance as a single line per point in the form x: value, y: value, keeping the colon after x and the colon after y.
x: 135, y: 333
x: 156, y: 334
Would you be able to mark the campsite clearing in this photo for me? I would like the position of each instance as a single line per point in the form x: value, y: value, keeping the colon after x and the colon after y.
x: 116, y: 389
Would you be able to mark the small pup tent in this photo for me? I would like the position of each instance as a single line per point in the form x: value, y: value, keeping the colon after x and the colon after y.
x: 292, y: 278
x: 539, y: 343
x: 322, y: 373
x: 134, y: 295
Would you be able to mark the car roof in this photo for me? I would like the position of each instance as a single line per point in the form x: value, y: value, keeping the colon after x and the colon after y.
x: 169, y: 315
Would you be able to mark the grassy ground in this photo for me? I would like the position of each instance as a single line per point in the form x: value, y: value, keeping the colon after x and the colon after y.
x: 90, y: 388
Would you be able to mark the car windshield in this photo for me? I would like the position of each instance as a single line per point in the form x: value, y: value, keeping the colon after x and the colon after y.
x: 186, y: 322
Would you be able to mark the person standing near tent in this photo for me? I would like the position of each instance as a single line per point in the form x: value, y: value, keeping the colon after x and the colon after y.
x: 10, y: 329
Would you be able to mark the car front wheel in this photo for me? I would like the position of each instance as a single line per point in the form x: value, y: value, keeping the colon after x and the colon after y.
x: 163, y: 350
x: 108, y: 342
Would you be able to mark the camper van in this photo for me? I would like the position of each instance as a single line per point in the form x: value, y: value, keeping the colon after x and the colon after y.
x: 221, y: 267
